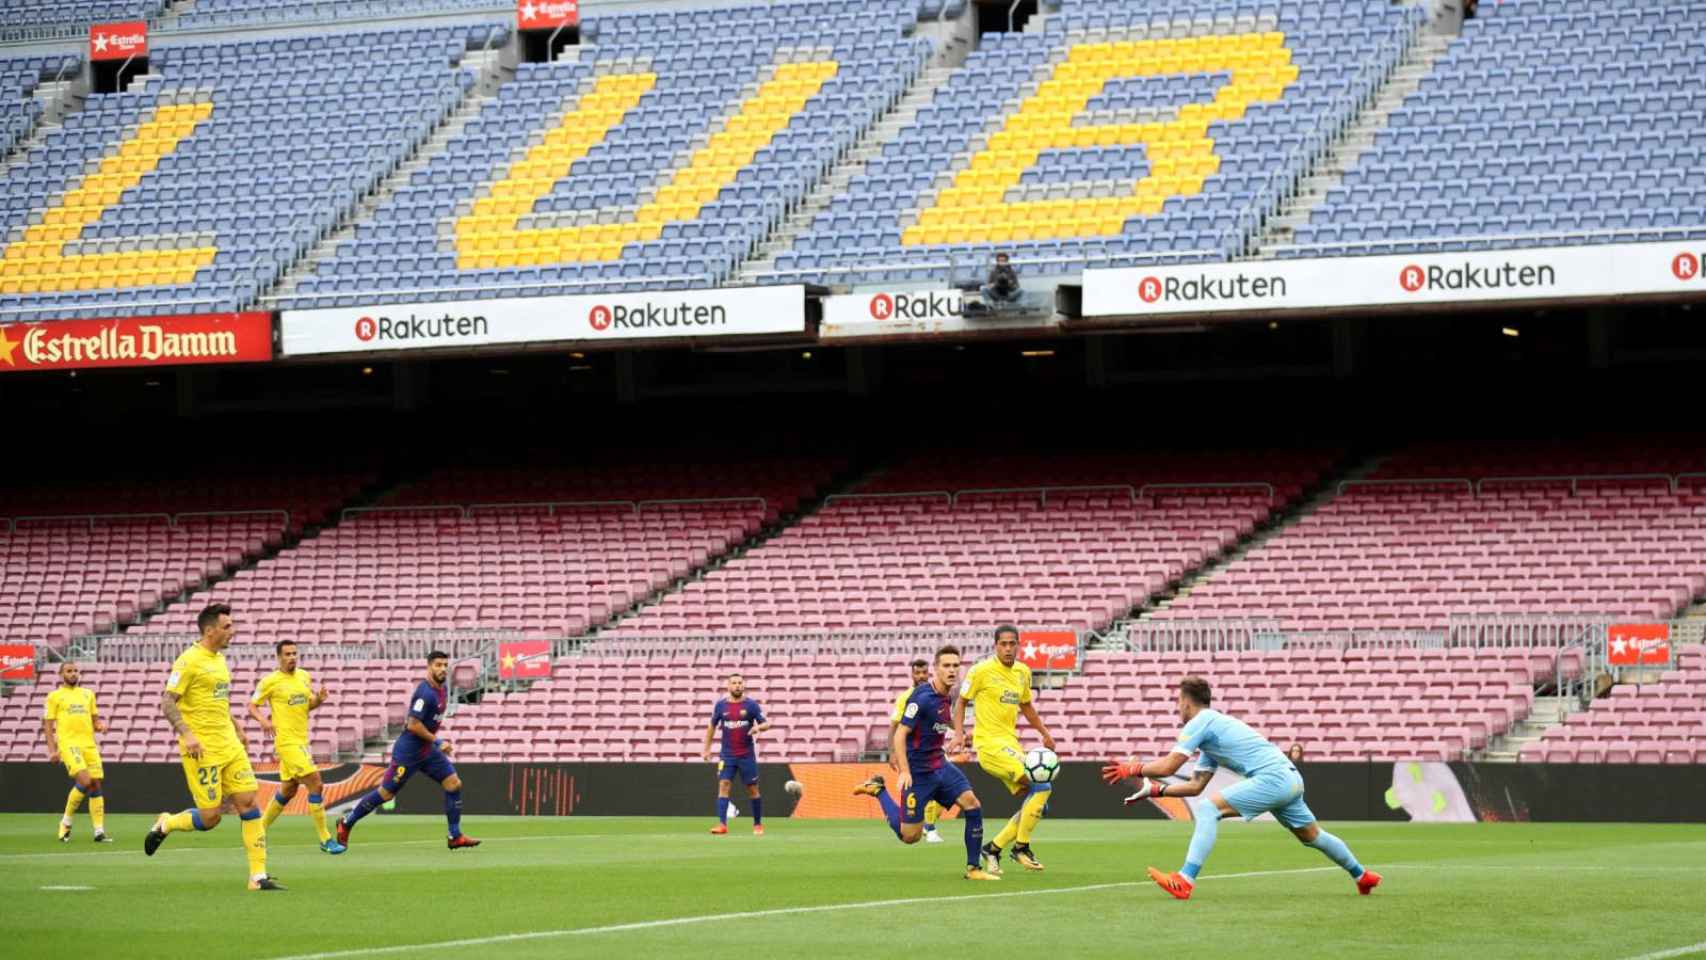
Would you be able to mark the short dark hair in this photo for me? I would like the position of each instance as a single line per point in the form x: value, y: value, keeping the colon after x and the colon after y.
x: 1197, y: 689
x: 1000, y: 254
x: 735, y: 674
x: 210, y: 614
x: 1006, y: 628
x: 279, y: 646
x: 919, y: 662
x: 437, y: 655
x: 945, y: 650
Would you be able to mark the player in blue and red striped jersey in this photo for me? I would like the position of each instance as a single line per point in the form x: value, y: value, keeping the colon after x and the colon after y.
x: 418, y: 748
x: 925, y: 722
x: 741, y: 718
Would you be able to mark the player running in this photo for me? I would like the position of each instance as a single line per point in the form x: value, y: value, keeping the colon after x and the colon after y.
x: 290, y: 699
x: 1270, y: 783
x: 928, y: 775
x: 418, y: 748
x: 197, y: 703
x: 69, y: 725
x: 999, y: 688
x: 932, y: 810
x: 741, y: 718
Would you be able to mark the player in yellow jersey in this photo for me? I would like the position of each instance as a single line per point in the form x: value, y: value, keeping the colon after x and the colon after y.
x: 197, y: 703
x: 932, y: 810
x: 290, y: 698
x: 999, y: 689
x: 69, y: 725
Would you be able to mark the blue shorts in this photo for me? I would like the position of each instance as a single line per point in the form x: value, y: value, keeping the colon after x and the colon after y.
x: 747, y: 767
x: 1278, y: 790
x: 944, y: 786
x: 435, y: 765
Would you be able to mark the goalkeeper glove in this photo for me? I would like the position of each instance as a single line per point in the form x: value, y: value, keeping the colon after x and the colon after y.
x: 1114, y: 771
x: 1146, y: 790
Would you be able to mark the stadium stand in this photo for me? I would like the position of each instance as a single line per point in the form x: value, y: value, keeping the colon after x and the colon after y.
x: 1447, y: 531
x: 1636, y: 723
x: 84, y: 557
x: 540, y: 552
x: 833, y: 708
x: 19, y: 78
x: 45, y: 19
x: 558, y: 184
x: 1543, y: 124
x: 1199, y: 119
x: 904, y: 551
x: 208, y: 14
x: 230, y: 160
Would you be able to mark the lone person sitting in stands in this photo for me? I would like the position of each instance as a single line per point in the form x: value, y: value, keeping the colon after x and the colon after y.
x: 1003, y: 283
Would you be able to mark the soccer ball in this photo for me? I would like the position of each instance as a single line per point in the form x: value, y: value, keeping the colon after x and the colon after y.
x: 1041, y: 765
x: 795, y: 787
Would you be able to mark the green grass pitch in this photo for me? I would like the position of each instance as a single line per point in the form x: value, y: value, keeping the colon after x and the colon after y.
x: 621, y: 887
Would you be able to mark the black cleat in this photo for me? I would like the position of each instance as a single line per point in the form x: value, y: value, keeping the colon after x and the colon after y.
x: 266, y: 883
x: 156, y: 836
x: 101, y: 837
x: 992, y: 859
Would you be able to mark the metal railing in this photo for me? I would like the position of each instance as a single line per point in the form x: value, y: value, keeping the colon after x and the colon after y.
x: 370, y: 297
x: 1456, y: 243
x: 1477, y: 486
x: 974, y: 644
x: 1242, y: 634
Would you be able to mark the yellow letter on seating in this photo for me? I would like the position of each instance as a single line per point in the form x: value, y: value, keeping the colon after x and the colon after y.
x: 975, y: 209
x: 37, y: 262
x: 491, y: 235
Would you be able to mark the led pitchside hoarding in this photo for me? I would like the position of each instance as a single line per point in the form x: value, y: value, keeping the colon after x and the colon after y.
x: 1550, y: 273
x: 591, y: 317
x: 136, y: 342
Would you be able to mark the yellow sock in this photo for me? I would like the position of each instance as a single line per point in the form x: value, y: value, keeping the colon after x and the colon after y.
x: 318, y: 812
x: 179, y: 821
x: 1008, y: 832
x: 98, y: 813
x: 1030, y: 813
x: 932, y: 812
x: 73, y: 802
x: 255, y: 844
x: 273, y: 810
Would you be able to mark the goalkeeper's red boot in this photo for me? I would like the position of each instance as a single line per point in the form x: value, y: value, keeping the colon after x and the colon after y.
x: 719, y: 829
x: 462, y: 842
x: 1367, y: 882
x: 1173, y: 883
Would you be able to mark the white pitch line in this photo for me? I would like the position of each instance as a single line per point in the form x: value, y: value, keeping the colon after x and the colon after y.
x: 1672, y: 952
x: 63, y: 887
x: 759, y: 914
x: 312, y: 846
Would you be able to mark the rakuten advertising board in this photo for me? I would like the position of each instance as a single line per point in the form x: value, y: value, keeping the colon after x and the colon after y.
x: 741, y: 311
x: 883, y: 314
x: 1549, y: 273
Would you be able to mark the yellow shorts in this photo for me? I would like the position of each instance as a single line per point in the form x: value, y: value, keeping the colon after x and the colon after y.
x: 296, y: 763
x: 1006, y: 763
x: 211, y: 780
x: 79, y: 759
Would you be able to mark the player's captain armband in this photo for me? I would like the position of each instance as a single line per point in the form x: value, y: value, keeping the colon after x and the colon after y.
x: 911, y: 710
